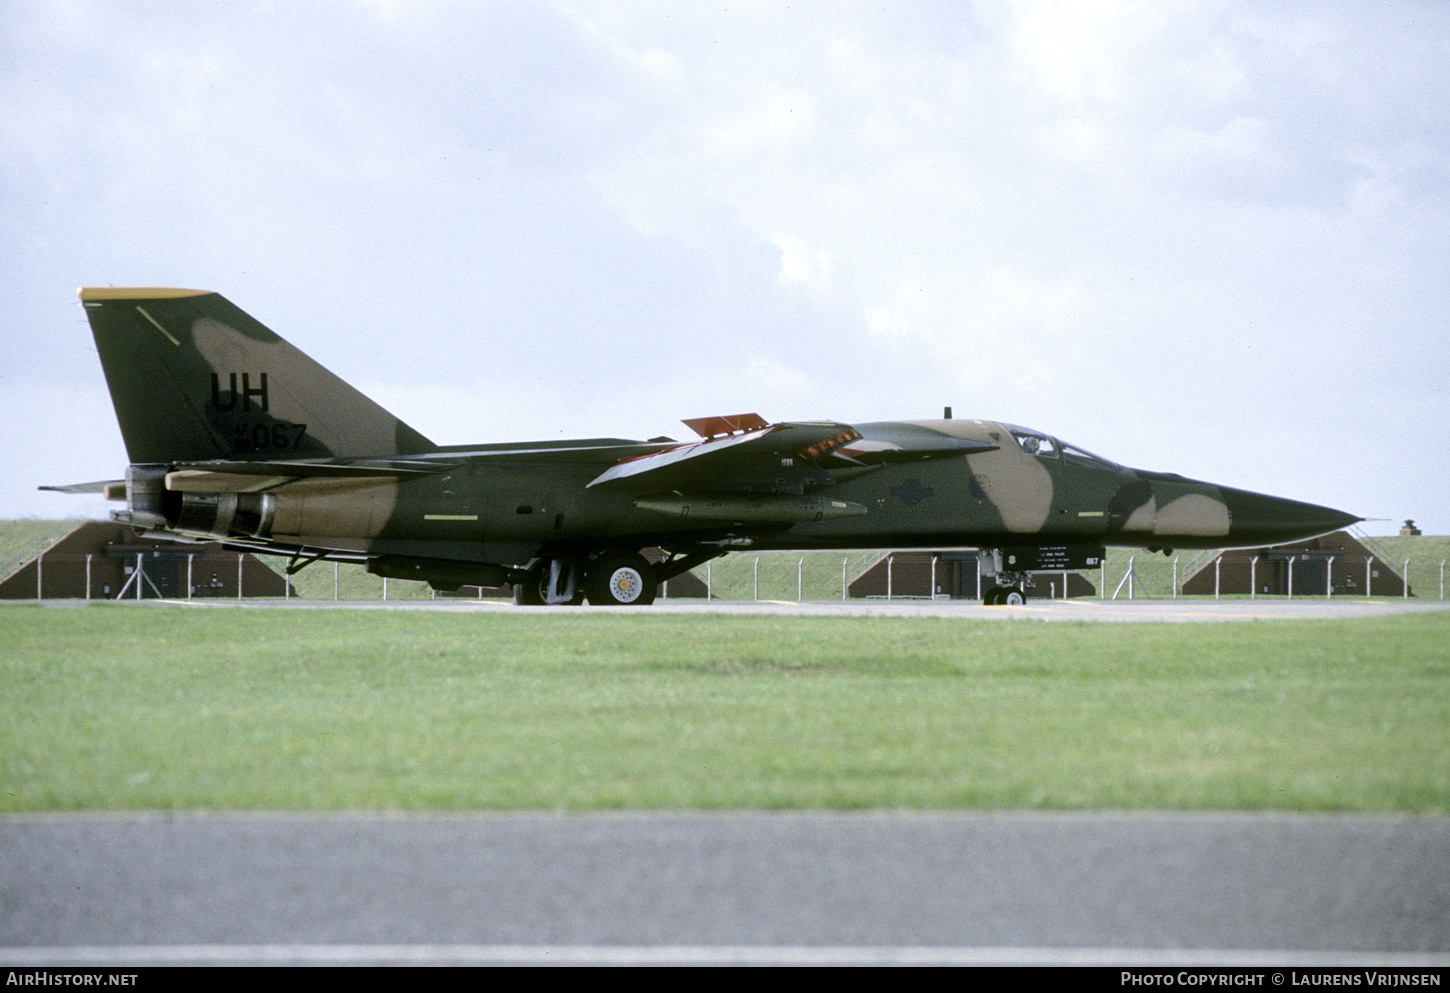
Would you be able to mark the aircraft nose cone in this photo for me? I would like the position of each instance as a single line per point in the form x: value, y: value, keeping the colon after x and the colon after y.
x: 1268, y: 520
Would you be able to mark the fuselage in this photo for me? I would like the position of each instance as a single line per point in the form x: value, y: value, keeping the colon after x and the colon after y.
x: 1027, y: 488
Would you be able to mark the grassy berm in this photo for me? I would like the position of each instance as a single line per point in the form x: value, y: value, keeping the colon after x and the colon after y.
x: 117, y: 707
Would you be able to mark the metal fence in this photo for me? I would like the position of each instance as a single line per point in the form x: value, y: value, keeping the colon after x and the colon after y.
x: 137, y: 575
x: 1312, y: 585
x: 174, y: 575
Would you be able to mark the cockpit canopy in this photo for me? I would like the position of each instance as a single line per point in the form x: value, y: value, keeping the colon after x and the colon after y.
x: 1047, y: 447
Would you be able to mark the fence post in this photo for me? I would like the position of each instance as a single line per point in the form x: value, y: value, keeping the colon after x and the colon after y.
x: 800, y: 588
x: 1217, y: 571
x: 335, y: 584
x: 239, y: 575
x: 1254, y: 578
x: 1368, y: 559
x: 39, y: 577
x: 1291, y: 576
x: 190, y: 559
x: 931, y: 585
x: 1405, y: 580
x: 1175, y: 576
x: 755, y: 572
x: 889, y: 558
x: 88, y: 577
x: 845, y: 557
x: 1329, y: 578
x: 709, y: 583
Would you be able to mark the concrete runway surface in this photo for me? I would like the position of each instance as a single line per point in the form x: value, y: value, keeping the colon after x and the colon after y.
x: 735, y: 888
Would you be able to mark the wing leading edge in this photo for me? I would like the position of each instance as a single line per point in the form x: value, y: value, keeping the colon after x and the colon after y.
x: 768, y: 458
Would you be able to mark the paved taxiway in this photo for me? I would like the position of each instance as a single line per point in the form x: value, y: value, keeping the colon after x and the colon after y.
x: 1153, y: 889
x: 1080, y: 610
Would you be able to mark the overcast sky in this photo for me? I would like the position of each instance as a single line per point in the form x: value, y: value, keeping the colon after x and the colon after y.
x: 1209, y: 237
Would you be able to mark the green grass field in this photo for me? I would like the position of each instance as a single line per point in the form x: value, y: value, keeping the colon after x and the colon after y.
x: 116, y: 707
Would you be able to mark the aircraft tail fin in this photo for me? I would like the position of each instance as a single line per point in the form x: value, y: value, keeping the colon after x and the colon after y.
x: 194, y: 378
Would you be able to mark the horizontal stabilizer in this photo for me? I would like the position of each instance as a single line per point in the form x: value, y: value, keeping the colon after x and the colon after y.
x: 254, y: 477
x: 97, y: 487
x: 337, y: 468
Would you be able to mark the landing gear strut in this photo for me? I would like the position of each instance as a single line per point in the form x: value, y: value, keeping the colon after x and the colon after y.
x: 1003, y: 588
x: 551, y: 581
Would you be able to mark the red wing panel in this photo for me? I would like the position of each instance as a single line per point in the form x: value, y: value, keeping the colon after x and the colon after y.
x: 709, y: 427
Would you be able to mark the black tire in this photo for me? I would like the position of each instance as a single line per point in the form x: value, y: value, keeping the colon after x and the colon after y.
x: 993, y: 596
x: 531, y: 593
x: 621, y: 579
x: 535, y: 592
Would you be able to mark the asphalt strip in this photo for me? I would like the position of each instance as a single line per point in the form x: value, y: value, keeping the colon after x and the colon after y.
x: 96, y: 956
x: 1078, y: 611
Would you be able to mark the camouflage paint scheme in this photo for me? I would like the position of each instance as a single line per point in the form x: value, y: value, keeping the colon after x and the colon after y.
x: 234, y: 434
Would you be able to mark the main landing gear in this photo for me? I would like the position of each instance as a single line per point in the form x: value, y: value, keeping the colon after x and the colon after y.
x: 551, y: 581
x: 614, y: 577
x: 621, y: 579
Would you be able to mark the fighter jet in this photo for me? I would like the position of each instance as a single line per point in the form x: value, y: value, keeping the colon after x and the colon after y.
x: 236, y: 436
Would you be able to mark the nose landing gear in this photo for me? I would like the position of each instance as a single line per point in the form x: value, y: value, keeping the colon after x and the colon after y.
x: 1010, y: 596
x: 1003, y: 588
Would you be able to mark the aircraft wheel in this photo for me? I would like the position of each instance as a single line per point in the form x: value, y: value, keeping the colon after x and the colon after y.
x: 535, y: 592
x: 621, y: 579
x: 1013, y: 597
x: 531, y: 593
x: 993, y: 596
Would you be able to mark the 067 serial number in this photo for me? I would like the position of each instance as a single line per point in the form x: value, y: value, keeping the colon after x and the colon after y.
x: 280, y: 436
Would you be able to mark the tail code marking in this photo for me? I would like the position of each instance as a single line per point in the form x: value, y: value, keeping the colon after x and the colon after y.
x: 247, y: 392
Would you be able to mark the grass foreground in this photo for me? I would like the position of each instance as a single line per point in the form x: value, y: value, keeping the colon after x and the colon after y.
x: 116, y: 707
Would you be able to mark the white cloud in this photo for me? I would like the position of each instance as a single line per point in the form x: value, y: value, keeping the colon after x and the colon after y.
x: 800, y: 263
x: 1081, y: 51
x: 588, y: 217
